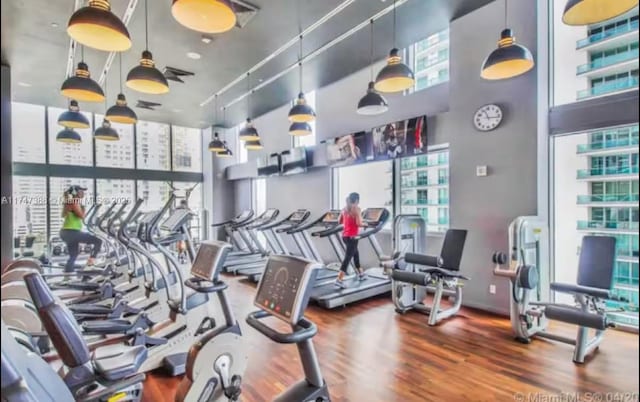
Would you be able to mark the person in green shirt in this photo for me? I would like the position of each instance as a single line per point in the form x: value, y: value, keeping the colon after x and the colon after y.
x: 72, y: 233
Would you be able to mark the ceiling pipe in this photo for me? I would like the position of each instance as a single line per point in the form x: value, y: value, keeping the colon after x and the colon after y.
x: 318, y: 51
x: 292, y: 42
x: 128, y: 13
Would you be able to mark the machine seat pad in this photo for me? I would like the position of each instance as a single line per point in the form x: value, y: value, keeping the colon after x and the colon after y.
x: 107, y: 326
x: 123, y: 365
x: 586, y: 290
x: 444, y: 273
x: 77, y: 285
x: 91, y: 308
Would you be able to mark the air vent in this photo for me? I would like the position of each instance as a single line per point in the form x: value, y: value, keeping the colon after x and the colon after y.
x: 174, y: 74
x: 244, y: 12
x: 147, y: 105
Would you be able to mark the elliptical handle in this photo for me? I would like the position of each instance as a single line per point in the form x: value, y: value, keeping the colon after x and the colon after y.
x: 302, y: 331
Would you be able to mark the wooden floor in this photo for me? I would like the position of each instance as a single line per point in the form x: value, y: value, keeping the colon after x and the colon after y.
x: 369, y: 353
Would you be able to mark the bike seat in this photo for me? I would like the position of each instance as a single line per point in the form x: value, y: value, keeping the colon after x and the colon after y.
x: 118, y: 366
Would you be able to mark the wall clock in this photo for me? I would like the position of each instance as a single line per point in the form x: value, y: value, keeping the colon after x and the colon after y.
x: 488, y: 117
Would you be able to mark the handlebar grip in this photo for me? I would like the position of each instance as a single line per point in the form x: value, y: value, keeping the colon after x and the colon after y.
x: 198, y: 285
x: 304, y: 329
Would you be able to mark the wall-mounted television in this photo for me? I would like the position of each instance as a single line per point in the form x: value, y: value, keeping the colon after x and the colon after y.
x: 349, y: 149
x: 269, y: 165
x: 402, y: 138
x: 294, y: 161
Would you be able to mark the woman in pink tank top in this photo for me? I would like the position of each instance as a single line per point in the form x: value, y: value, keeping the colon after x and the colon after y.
x: 351, y: 220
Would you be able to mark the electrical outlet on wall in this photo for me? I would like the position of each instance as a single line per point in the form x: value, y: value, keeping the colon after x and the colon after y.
x: 481, y: 171
x: 492, y: 289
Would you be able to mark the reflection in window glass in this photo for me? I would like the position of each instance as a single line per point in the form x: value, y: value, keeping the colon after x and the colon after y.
x: 57, y: 186
x: 154, y: 193
x: 152, y: 145
x: 116, y: 154
x: 27, y: 133
x: 187, y: 149
x: 109, y: 190
x: 61, y: 153
x: 597, y: 199
x: 373, y: 181
x: 29, y: 214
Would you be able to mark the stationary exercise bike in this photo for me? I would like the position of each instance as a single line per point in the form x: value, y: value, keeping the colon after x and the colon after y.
x: 216, y: 363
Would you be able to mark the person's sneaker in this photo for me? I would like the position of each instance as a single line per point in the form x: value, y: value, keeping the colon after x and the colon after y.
x: 340, y: 283
x: 362, y: 276
x: 91, y: 262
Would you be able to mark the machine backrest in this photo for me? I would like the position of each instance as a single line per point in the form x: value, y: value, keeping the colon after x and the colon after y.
x: 452, y: 248
x: 59, y: 322
x: 597, y: 261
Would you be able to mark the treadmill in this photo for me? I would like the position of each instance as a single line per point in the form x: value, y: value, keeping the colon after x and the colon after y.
x: 328, y: 295
x: 248, y: 233
x: 239, y: 246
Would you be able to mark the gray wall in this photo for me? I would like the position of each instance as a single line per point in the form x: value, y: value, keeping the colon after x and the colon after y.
x: 483, y: 205
x: 7, y: 211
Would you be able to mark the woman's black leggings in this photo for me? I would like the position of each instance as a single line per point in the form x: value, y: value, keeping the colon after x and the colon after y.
x: 73, y: 238
x: 351, y: 252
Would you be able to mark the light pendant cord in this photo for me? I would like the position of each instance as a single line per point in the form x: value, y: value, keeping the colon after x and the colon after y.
x: 120, y: 57
x: 371, y: 55
x: 146, y: 25
x: 506, y: 7
x: 82, y: 53
x: 249, y: 95
x: 215, y: 110
x: 300, y: 39
x: 394, y: 24
x: 106, y: 96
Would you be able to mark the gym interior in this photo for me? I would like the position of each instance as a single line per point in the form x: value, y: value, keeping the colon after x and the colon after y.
x: 320, y: 200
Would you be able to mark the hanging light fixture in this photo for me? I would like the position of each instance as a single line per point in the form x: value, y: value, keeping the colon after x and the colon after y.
x: 80, y: 86
x: 72, y: 118
x: 249, y: 132
x: 301, y: 112
x: 69, y: 136
x: 120, y: 112
x: 226, y: 153
x: 216, y: 145
x: 97, y: 27
x: 372, y: 103
x: 145, y: 77
x: 253, y: 145
x: 586, y: 12
x: 300, y: 129
x: 395, y: 76
x: 208, y: 16
x: 105, y: 132
x: 509, y: 59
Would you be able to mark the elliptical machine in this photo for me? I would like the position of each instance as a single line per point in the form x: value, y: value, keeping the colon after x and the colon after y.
x: 283, y: 293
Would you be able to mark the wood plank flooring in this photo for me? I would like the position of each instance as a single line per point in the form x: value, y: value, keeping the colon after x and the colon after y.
x: 369, y: 353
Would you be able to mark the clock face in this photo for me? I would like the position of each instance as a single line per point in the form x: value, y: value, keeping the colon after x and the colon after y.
x: 488, y: 117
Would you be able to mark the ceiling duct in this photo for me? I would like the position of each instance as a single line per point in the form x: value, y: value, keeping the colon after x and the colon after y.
x: 142, y: 104
x: 174, y: 74
x: 244, y: 12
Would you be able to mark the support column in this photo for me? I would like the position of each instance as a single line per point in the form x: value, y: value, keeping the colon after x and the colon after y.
x: 6, y: 249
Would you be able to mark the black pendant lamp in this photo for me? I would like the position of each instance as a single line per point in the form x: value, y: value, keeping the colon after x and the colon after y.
x: 69, y: 136
x: 145, y: 77
x: 253, y: 145
x: 301, y: 112
x: 72, y: 118
x: 216, y: 145
x: 227, y: 153
x: 395, y: 76
x: 80, y: 86
x: 208, y: 16
x: 372, y: 103
x: 105, y: 132
x: 249, y: 132
x: 97, y: 27
x: 120, y: 112
x: 587, y: 12
x: 300, y: 129
x: 509, y: 59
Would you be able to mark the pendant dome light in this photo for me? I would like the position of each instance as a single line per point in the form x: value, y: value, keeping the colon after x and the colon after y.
x: 72, y: 118
x: 226, y: 153
x: 120, y: 112
x: 105, y: 132
x: 208, y: 16
x: 69, y: 136
x: 216, y: 145
x: 249, y: 132
x: 97, y: 27
x: 301, y: 112
x: 372, y: 103
x: 80, y: 86
x: 509, y: 59
x: 395, y: 76
x: 253, y: 145
x: 586, y: 12
x: 145, y: 77
x: 300, y: 129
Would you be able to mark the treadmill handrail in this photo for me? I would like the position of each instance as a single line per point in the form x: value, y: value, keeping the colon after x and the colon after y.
x: 288, y: 221
x: 235, y: 219
x: 328, y: 232
x: 375, y: 229
x: 309, y: 225
x: 264, y: 221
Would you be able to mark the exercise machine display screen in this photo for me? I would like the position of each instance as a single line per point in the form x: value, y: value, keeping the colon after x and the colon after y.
x: 178, y: 218
x: 331, y: 217
x: 244, y: 215
x: 282, y: 289
x: 269, y: 214
x: 298, y: 216
x: 147, y: 217
x: 205, y: 263
x: 372, y: 215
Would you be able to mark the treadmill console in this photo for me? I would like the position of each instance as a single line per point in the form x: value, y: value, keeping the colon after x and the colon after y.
x: 284, y: 288
x: 176, y: 220
x: 373, y: 216
x: 269, y: 214
x: 244, y: 215
x: 298, y: 216
x: 332, y: 216
x: 210, y: 259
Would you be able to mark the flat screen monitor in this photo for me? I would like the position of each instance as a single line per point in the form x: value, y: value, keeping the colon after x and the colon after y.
x: 269, y: 165
x: 350, y: 149
x: 402, y: 138
x: 294, y: 161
